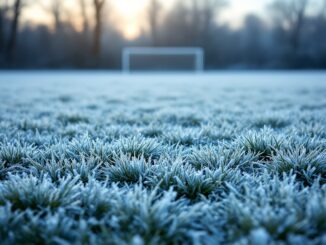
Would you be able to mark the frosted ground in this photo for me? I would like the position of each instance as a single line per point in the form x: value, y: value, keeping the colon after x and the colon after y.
x: 99, y: 158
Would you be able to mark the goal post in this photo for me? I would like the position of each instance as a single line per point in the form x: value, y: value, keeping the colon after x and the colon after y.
x: 172, y: 53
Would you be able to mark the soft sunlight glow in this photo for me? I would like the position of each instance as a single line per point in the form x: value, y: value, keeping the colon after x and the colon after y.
x: 35, y: 15
x: 131, y: 31
x: 130, y: 16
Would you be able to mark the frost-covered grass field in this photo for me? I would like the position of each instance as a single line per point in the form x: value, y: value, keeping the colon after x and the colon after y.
x: 173, y: 159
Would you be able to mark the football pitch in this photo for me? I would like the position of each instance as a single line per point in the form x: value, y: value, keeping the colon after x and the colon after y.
x: 109, y: 158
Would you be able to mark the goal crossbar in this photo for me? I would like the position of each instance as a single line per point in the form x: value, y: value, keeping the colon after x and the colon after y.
x: 198, y: 53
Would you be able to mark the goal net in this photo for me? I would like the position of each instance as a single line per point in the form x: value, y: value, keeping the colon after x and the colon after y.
x: 162, y: 59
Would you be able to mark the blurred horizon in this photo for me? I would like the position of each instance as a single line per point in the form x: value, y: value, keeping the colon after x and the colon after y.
x: 129, y: 16
x: 80, y: 34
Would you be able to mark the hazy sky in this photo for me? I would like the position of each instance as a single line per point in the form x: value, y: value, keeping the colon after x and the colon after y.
x: 129, y: 14
x: 237, y: 9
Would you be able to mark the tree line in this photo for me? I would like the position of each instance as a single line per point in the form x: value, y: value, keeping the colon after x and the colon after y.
x: 292, y: 39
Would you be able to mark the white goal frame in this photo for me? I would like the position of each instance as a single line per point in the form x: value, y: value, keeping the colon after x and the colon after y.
x: 198, y: 54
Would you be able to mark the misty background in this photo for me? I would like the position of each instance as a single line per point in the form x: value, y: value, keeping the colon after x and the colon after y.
x: 291, y: 35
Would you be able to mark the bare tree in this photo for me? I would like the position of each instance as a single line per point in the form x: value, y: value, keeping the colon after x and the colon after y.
x: 290, y: 15
x: 210, y: 10
x: 204, y: 13
x: 3, y: 12
x: 98, y: 7
x: 153, y: 15
x: 82, y: 4
x: 193, y: 22
x: 55, y: 7
x: 13, y: 30
x: 196, y: 22
x: 196, y: 16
